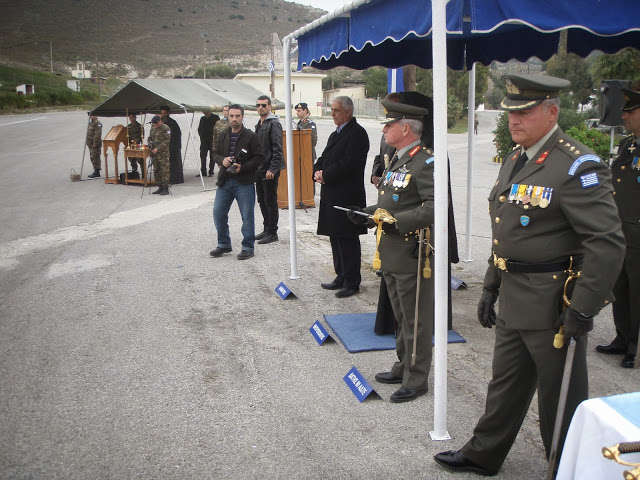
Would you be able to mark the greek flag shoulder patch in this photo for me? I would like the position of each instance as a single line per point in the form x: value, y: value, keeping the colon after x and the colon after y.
x: 589, y: 180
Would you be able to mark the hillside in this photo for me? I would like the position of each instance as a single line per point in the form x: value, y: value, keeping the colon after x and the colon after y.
x: 146, y: 37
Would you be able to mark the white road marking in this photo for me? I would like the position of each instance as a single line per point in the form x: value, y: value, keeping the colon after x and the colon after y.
x: 22, y: 121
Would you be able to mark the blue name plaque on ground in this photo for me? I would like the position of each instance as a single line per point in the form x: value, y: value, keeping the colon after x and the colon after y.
x: 319, y: 333
x: 284, y: 291
x: 358, y: 385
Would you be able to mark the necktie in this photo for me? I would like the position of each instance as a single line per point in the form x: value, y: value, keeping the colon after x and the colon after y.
x: 522, y: 159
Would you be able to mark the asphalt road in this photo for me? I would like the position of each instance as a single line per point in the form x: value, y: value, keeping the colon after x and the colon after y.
x: 126, y: 351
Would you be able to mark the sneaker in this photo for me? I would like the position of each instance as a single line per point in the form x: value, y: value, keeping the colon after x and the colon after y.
x: 244, y: 254
x: 218, y: 251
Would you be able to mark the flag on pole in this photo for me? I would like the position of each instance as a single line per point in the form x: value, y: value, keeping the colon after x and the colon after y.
x: 395, y: 82
x: 272, y: 66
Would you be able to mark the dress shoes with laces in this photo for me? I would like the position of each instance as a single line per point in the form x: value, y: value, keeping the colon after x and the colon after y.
x: 611, y: 349
x: 268, y: 239
x: 455, y: 460
x: 331, y: 286
x: 387, y: 377
x: 628, y: 360
x: 261, y: 235
x: 404, y: 394
x: 346, y: 292
x: 218, y: 251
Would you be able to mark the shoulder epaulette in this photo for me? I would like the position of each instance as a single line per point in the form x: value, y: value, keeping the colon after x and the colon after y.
x: 414, y: 150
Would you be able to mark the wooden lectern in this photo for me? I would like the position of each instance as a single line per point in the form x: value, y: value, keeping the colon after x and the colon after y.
x: 302, y: 171
x: 116, y: 136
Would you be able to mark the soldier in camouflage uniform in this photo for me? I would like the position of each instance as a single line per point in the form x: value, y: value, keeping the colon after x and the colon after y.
x: 134, y: 131
x: 158, y: 141
x: 94, y: 142
x: 220, y: 126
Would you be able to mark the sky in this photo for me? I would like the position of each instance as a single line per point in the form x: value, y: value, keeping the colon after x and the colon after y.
x: 328, y: 5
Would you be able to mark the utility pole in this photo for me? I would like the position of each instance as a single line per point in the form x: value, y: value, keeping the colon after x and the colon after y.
x: 272, y: 65
x: 51, y: 54
x: 204, y: 56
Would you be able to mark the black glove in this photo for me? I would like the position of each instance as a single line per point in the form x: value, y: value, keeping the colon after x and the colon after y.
x: 486, y: 308
x: 360, y: 220
x: 575, y: 325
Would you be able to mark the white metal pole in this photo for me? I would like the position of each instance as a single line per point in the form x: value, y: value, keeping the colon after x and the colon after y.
x: 291, y: 189
x: 439, y: 45
x: 471, y: 127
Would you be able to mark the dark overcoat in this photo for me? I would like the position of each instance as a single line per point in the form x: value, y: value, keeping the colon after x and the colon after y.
x: 342, y: 164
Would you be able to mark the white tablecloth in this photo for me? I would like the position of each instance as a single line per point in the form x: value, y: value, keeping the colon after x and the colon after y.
x: 597, y: 423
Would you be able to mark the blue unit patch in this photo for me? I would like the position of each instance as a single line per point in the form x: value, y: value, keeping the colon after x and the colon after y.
x: 589, y: 180
x: 581, y: 160
x: 429, y: 160
x: 396, y: 197
x: 524, y: 220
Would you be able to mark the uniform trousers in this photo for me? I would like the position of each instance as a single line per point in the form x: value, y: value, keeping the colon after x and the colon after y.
x: 402, y: 293
x: 347, y: 255
x: 524, y: 360
x: 94, y: 155
x: 161, y: 169
x: 267, y: 193
x: 626, y: 307
x: 204, y: 151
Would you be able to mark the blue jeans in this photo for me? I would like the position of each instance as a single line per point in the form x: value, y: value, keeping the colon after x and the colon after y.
x: 245, y: 195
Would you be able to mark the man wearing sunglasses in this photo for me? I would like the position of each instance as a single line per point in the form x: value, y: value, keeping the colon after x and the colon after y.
x: 269, y: 131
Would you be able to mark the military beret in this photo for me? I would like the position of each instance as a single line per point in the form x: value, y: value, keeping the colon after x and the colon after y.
x: 302, y: 105
x: 631, y: 98
x: 156, y: 119
x: 395, y: 111
x: 528, y: 90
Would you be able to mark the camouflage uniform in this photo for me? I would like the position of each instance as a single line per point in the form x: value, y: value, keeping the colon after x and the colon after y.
x: 159, y: 138
x: 94, y: 142
x: 134, y: 130
x: 218, y: 128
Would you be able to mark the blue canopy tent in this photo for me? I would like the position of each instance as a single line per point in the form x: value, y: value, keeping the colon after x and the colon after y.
x: 457, y: 33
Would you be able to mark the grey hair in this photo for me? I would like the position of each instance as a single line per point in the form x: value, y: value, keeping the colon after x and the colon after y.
x: 415, y: 125
x: 345, y: 101
x: 547, y: 103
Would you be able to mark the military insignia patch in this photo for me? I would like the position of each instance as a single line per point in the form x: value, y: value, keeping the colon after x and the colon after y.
x: 589, y: 180
x: 429, y: 161
x: 395, y: 197
x: 524, y: 220
x: 581, y: 160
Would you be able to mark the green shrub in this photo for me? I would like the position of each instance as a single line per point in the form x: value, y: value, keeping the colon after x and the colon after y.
x: 502, y: 139
x: 454, y: 111
x: 596, y: 140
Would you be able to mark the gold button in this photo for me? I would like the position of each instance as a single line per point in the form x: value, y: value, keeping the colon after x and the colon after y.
x: 497, y: 219
x: 618, y: 180
x: 622, y: 167
x: 502, y: 198
x: 382, y: 192
x: 495, y: 241
x: 526, y: 207
x: 555, y: 277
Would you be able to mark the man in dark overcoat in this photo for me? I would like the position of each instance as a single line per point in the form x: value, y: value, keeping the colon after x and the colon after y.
x: 551, y: 210
x: 626, y: 182
x: 175, y: 146
x: 340, y: 172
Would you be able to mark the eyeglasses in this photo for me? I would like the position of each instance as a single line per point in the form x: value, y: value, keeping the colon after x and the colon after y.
x: 263, y: 105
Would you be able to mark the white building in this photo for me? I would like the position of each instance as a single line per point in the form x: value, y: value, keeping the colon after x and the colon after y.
x: 81, y: 71
x: 305, y: 87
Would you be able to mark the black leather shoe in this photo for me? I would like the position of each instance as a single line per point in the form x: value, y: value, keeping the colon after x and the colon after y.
x: 218, y: 252
x: 244, y: 254
x: 628, y: 360
x: 268, y: 239
x: 261, y: 235
x: 346, y: 292
x: 404, y: 394
x: 157, y: 191
x: 455, y: 460
x: 331, y: 286
x: 611, y: 349
x: 387, y: 377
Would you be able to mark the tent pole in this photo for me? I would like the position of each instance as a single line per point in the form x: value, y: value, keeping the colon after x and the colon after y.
x: 193, y: 145
x: 439, y: 46
x: 471, y: 115
x: 291, y: 189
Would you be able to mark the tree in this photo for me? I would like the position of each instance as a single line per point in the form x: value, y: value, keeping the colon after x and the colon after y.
x: 624, y: 65
x: 576, y: 70
x: 375, y: 79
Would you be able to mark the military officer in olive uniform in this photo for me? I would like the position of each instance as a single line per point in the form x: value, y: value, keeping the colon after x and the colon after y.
x: 94, y: 142
x: 305, y: 123
x: 551, y: 208
x: 159, y: 139
x: 626, y: 182
x: 134, y: 132
x: 406, y: 192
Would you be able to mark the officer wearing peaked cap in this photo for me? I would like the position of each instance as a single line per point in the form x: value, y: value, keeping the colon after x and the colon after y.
x: 626, y: 182
x: 305, y: 123
x: 406, y: 192
x: 551, y: 209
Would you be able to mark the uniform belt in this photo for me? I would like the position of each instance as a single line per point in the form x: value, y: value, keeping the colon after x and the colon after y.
x: 512, y: 266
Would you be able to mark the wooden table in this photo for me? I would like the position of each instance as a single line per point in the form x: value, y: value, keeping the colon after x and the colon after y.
x: 143, y: 153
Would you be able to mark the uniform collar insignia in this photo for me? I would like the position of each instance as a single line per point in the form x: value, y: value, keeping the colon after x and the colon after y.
x: 403, y: 169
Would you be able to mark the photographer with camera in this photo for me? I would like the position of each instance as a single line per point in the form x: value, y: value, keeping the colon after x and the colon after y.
x: 238, y: 153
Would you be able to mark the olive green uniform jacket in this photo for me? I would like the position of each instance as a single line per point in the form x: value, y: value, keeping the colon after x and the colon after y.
x: 577, y: 218
x: 406, y: 191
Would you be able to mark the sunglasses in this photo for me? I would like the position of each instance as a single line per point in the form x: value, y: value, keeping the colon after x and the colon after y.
x: 263, y: 105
